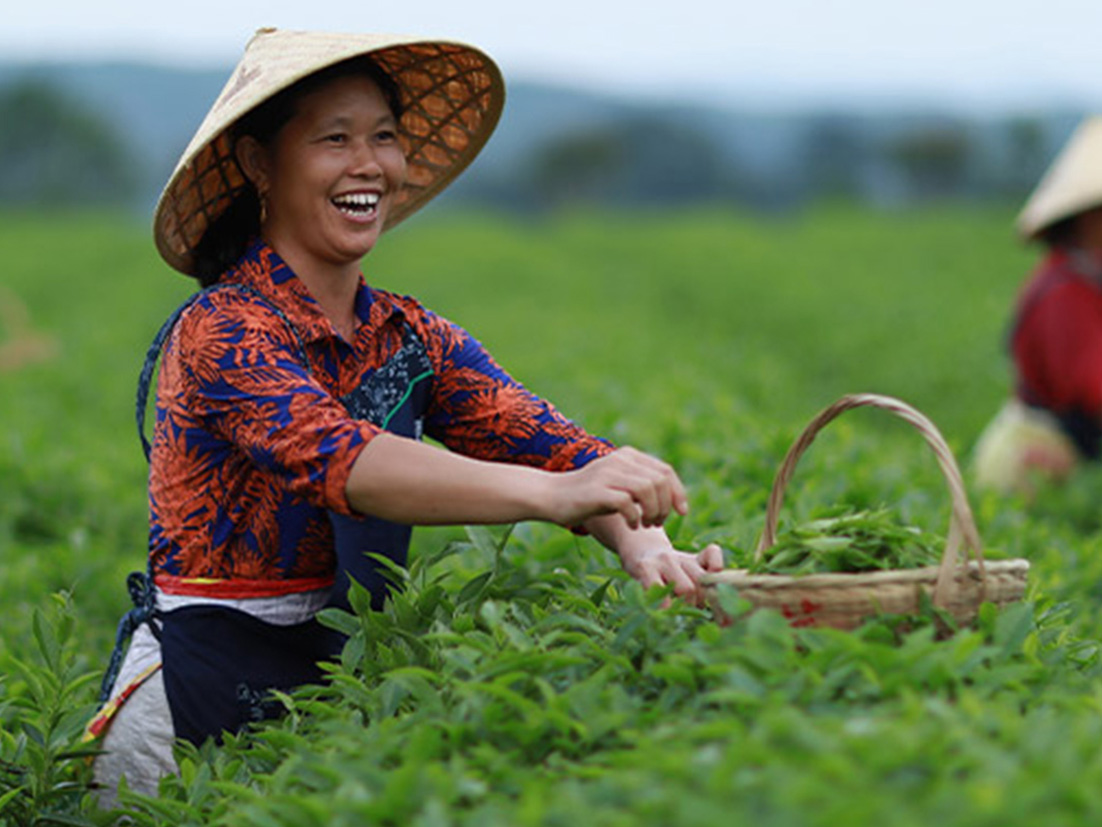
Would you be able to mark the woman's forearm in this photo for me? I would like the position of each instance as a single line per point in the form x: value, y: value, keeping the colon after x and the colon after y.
x: 412, y: 482
x: 622, y: 499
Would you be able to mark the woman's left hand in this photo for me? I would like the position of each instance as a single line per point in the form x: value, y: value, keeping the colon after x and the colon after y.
x: 648, y: 555
x: 658, y: 565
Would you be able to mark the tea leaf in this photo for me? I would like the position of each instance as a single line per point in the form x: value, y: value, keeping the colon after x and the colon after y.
x: 848, y: 541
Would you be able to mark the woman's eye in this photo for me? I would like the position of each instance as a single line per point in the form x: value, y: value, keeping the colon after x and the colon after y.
x: 386, y: 136
x: 336, y: 138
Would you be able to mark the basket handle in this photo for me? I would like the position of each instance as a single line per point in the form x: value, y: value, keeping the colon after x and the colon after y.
x: 962, y: 525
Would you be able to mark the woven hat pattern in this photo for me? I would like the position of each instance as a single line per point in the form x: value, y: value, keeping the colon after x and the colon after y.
x: 452, y: 95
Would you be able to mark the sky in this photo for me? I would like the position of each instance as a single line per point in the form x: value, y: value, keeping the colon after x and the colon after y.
x: 975, y: 54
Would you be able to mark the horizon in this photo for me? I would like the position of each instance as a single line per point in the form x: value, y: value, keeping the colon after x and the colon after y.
x: 765, y: 98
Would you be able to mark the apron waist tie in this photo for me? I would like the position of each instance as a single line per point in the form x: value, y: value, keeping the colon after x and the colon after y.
x: 140, y: 586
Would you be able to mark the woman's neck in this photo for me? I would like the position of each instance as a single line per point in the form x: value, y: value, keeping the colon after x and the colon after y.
x: 338, y: 303
x: 334, y: 289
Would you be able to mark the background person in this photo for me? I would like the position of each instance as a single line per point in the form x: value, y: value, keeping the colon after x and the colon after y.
x: 292, y: 396
x: 1054, y: 419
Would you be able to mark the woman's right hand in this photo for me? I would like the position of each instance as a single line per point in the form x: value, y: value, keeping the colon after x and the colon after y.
x: 639, y: 487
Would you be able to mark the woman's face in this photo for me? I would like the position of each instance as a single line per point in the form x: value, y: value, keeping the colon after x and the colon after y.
x: 330, y: 176
x: 1088, y: 230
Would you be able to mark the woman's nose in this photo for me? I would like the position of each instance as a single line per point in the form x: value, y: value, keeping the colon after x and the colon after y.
x: 365, y: 161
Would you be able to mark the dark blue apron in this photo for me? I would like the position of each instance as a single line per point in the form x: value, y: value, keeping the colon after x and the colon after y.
x: 220, y: 665
x: 395, y: 397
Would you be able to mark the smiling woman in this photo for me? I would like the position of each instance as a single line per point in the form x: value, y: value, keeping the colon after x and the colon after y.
x: 326, y: 184
x: 321, y: 134
x: 293, y: 396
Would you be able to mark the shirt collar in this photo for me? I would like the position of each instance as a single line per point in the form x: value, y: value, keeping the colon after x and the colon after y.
x: 265, y: 271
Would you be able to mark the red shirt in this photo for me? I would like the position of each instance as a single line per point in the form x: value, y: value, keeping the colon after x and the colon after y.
x: 1057, y: 339
x: 251, y: 449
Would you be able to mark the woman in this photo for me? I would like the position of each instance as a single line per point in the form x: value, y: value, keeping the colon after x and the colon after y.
x: 292, y: 396
x: 1054, y: 420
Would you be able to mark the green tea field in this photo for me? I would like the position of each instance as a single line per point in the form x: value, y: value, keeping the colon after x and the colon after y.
x: 520, y: 678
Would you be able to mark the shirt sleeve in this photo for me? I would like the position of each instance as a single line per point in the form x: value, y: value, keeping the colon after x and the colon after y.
x: 480, y: 410
x: 244, y: 383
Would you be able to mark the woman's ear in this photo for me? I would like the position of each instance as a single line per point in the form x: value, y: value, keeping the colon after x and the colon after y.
x: 253, y: 160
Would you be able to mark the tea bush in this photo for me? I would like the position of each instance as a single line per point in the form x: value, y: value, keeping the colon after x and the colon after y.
x: 520, y: 678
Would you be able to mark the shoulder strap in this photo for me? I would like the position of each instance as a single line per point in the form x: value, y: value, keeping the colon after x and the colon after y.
x: 145, y: 378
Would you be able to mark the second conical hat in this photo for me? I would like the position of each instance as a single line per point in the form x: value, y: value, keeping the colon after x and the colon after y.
x: 1072, y: 183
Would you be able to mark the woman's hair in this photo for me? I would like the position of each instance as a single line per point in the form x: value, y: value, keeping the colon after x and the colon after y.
x: 1060, y: 234
x: 226, y: 238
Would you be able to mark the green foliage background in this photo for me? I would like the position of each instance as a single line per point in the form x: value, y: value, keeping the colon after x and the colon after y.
x: 522, y: 679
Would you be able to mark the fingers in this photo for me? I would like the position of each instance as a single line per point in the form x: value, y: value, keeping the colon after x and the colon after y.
x: 656, y: 572
x: 653, y: 486
x: 641, y: 488
x: 679, y: 569
x: 630, y: 510
x: 711, y: 558
x: 668, y: 489
x: 683, y: 574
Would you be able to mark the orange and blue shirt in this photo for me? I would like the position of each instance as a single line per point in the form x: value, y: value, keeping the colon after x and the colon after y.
x: 252, y: 448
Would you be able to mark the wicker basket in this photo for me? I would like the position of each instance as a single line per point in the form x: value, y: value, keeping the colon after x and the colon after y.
x: 957, y: 585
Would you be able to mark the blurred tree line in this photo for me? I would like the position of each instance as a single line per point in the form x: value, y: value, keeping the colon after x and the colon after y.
x: 647, y: 161
x: 57, y: 151
x: 53, y: 152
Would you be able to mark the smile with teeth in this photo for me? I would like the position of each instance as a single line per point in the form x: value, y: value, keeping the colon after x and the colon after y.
x: 357, y: 203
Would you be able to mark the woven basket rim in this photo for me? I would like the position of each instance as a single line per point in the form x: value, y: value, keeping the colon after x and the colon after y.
x: 849, y: 580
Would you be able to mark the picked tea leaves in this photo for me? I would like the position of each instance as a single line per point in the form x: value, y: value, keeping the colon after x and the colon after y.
x: 849, y: 541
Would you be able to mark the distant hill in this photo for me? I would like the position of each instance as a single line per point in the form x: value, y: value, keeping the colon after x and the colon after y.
x: 155, y: 110
x: 776, y: 157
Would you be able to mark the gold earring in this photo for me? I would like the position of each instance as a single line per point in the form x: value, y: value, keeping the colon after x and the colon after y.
x: 263, y: 207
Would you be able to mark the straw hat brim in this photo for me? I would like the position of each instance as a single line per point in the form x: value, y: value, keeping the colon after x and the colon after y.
x: 1072, y: 184
x: 452, y: 96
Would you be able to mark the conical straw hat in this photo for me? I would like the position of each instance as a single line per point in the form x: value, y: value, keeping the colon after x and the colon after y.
x: 1072, y: 183
x: 452, y: 95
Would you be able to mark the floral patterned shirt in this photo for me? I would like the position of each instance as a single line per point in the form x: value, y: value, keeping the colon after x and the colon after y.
x: 251, y: 448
